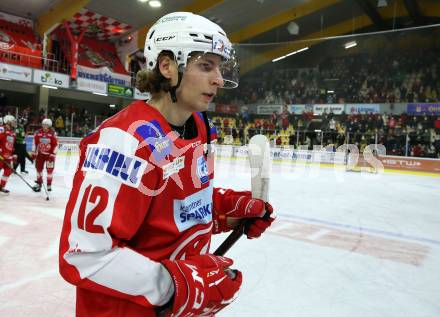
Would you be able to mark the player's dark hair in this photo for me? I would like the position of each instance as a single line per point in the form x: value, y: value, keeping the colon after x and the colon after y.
x: 153, y: 81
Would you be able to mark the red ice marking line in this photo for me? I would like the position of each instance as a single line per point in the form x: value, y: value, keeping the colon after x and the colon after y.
x: 363, y: 229
x: 378, y: 247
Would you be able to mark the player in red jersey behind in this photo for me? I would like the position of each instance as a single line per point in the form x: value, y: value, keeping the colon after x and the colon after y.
x: 45, y: 144
x: 138, y: 223
x: 7, y: 157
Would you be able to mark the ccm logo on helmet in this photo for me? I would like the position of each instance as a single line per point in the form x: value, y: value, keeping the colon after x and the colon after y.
x: 165, y: 38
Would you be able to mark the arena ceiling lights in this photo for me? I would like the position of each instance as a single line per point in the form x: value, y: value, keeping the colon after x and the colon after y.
x: 350, y: 44
x: 49, y: 87
x: 152, y: 3
x: 290, y: 54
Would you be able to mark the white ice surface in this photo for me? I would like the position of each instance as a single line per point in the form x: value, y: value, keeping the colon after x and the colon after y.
x: 343, y: 244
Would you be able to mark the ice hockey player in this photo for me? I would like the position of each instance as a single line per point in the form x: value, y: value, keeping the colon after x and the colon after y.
x: 45, y: 144
x: 138, y: 223
x: 7, y: 157
x: 20, y: 146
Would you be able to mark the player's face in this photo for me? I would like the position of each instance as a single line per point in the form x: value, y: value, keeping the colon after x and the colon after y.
x: 200, y: 82
x: 11, y: 125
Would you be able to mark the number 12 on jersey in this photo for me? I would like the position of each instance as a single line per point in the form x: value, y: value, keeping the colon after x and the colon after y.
x: 98, y: 196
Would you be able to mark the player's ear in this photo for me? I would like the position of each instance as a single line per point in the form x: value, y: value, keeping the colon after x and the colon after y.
x: 168, y: 68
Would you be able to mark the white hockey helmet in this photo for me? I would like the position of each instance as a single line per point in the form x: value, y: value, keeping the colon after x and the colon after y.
x: 8, y: 119
x: 183, y: 33
x: 47, y: 122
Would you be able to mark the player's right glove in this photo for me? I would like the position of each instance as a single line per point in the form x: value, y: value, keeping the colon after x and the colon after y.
x: 201, y: 285
x: 231, y: 206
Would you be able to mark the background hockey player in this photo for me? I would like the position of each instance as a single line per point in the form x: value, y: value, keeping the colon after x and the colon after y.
x: 7, y: 157
x: 139, y: 220
x: 45, y: 144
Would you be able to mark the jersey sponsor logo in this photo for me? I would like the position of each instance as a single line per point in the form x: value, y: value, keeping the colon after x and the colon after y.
x: 120, y: 166
x: 202, y: 170
x: 155, y: 138
x: 45, y: 140
x: 194, y: 209
x: 173, y: 167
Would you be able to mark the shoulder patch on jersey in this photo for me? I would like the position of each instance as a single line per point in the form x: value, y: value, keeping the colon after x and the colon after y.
x: 194, y: 209
x: 153, y: 134
x: 125, y: 168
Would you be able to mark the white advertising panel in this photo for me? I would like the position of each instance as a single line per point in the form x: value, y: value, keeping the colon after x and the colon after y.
x: 91, y: 85
x: 15, y: 72
x: 50, y: 78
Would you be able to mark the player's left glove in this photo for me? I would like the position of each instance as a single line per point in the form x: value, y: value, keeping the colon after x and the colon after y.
x: 232, y: 206
x: 202, y: 285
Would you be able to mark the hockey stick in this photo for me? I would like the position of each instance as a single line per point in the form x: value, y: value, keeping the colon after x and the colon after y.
x: 259, y: 160
x: 13, y: 171
x: 45, y: 190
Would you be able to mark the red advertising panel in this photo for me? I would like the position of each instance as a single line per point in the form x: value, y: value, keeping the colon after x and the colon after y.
x: 411, y: 164
x: 226, y: 108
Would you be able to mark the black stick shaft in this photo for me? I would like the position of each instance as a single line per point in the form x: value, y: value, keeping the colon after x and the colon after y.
x: 236, y: 234
x: 233, y: 237
x: 45, y: 190
x: 13, y: 171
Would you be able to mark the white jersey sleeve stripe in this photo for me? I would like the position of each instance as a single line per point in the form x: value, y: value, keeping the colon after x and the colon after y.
x: 126, y: 271
x: 92, y: 252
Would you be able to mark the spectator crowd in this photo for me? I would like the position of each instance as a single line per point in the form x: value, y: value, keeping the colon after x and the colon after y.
x: 362, y: 78
x: 402, y: 134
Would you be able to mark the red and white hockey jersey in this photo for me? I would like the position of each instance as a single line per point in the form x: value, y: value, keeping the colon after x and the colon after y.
x: 45, y: 142
x: 7, y: 140
x: 140, y: 195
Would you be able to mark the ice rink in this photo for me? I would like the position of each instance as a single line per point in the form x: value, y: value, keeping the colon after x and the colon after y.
x: 343, y: 244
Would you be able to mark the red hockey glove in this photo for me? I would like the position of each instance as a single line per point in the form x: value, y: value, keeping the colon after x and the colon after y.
x: 231, y: 206
x: 14, y: 158
x: 201, y: 286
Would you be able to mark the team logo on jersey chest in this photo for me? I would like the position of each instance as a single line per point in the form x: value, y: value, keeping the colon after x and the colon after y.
x: 202, y: 170
x: 120, y: 166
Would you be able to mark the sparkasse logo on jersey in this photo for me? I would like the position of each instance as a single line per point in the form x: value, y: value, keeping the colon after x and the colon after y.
x: 120, y: 166
x: 194, y: 209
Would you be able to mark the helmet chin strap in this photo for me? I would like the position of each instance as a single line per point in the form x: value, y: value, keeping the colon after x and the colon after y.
x: 173, y: 95
x: 208, y: 132
x: 173, y: 89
